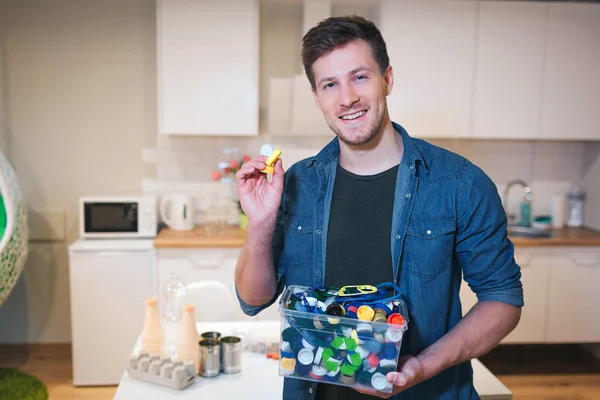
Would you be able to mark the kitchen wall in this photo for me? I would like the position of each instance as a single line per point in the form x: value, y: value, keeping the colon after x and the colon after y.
x: 80, y: 87
x: 80, y: 103
x: 591, y: 181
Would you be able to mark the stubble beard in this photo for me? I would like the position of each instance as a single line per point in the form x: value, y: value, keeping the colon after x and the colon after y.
x: 362, y: 138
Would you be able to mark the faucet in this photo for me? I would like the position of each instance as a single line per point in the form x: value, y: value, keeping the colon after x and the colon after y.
x: 526, y: 190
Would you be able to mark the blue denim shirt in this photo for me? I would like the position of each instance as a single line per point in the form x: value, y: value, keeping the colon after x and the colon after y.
x: 448, y: 224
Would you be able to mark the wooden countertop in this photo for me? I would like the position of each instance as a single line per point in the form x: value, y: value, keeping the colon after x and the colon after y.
x: 561, y: 237
x: 234, y: 237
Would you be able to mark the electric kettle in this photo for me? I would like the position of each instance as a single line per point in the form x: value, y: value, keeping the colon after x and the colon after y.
x: 177, y: 211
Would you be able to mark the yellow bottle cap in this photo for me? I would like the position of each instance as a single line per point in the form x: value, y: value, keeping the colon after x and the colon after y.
x: 288, y: 363
x: 270, y: 162
x: 365, y: 313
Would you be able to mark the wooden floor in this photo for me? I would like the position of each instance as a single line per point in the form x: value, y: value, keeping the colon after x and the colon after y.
x: 530, y: 372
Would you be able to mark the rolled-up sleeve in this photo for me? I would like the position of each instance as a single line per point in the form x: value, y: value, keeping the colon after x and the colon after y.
x: 483, y: 249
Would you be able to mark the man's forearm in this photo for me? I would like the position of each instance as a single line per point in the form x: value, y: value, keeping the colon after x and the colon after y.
x: 486, y: 324
x: 254, y: 274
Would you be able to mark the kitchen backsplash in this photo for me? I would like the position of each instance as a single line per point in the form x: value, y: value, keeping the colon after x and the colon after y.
x: 184, y: 164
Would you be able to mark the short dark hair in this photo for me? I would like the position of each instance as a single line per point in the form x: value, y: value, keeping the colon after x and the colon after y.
x: 335, y: 32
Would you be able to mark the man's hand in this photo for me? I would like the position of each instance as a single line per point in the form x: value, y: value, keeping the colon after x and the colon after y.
x: 410, y: 372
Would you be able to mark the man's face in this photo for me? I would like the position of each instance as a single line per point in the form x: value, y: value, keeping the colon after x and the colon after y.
x: 351, y: 92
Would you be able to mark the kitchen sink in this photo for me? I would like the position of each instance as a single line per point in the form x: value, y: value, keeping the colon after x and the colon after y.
x: 523, y: 231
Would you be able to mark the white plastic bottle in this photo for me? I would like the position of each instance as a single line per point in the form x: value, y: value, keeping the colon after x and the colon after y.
x: 174, y: 292
x: 152, y: 335
x: 188, y: 348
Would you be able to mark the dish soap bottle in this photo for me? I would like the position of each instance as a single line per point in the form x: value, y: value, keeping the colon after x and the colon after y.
x: 174, y: 292
x: 525, y: 209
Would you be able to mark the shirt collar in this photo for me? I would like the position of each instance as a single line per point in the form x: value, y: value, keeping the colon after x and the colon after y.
x: 411, y: 155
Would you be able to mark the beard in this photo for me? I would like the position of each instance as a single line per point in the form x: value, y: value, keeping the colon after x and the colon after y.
x: 359, y: 135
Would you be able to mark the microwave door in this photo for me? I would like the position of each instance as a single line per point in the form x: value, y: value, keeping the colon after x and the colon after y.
x: 111, y: 218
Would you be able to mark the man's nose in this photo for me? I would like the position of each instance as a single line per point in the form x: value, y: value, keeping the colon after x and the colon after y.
x: 348, y: 96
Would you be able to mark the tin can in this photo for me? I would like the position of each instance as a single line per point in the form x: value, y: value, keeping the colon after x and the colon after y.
x: 210, y: 358
x: 231, y: 348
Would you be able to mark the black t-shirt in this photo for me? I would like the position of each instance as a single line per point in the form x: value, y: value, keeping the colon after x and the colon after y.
x: 359, y: 242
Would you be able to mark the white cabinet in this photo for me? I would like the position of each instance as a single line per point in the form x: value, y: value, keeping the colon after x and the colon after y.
x: 535, y: 271
x: 109, y: 282
x: 206, y: 264
x: 508, y: 75
x: 208, y: 67
x: 431, y: 47
x: 571, y: 83
x: 575, y: 298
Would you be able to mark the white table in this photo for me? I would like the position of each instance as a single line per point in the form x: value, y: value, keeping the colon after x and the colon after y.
x: 259, y: 377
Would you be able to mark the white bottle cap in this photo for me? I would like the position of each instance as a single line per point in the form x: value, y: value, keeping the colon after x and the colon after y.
x: 305, y: 356
x: 379, y: 381
x: 311, y: 301
x: 266, y: 150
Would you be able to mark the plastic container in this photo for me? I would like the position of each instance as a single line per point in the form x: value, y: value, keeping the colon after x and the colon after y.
x: 341, y: 350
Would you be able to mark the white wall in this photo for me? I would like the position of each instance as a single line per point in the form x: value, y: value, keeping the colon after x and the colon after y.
x: 591, y: 183
x: 80, y: 86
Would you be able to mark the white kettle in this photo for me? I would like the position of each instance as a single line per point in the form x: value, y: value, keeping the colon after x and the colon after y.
x: 177, y: 211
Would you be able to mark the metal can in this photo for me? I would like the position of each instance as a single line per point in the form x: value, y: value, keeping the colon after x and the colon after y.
x: 231, y: 348
x: 210, y: 358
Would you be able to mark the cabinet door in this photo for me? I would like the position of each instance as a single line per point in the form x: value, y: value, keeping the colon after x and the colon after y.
x: 208, y: 67
x: 574, y: 296
x: 510, y: 56
x: 534, y: 276
x: 571, y: 84
x: 431, y: 47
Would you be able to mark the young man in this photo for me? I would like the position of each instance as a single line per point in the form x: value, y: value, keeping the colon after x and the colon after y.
x: 376, y: 205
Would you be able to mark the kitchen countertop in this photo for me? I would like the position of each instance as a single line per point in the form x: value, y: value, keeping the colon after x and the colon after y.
x: 259, y: 378
x: 234, y: 237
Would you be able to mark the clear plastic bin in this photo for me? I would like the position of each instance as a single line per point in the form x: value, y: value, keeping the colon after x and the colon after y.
x: 341, y: 350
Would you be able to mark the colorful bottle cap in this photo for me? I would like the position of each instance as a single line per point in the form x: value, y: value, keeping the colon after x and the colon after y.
x: 380, y: 315
x: 389, y: 351
x: 347, y: 331
x: 396, y: 319
x: 289, y: 334
x: 373, y: 360
x: 303, y: 370
x: 373, y: 346
x: 364, y: 377
x: 311, y: 301
x: 348, y: 369
x: 286, y: 350
x: 318, y: 324
x: 288, y: 364
x: 332, y: 364
x: 321, y: 306
x: 350, y: 344
x: 335, y: 310
x: 354, y: 335
x: 318, y: 355
x: 338, y: 343
x: 306, y: 356
x: 333, y: 320
x: 379, y: 381
x: 334, y: 373
x: 394, y: 335
x: 384, y: 307
x: 307, y: 345
x: 355, y: 359
x: 387, y: 363
x: 318, y: 370
x: 347, y: 379
x: 365, y: 313
x: 362, y: 351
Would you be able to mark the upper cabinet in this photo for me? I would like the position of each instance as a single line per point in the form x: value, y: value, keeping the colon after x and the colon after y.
x: 207, y: 54
x: 508, y: 74
x: 571, y: 85
x: 431, y: 45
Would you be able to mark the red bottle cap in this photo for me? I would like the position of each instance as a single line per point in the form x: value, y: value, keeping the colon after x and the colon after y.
x: 396, y: 319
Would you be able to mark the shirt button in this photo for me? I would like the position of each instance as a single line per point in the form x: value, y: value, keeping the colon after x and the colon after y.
x: 408, y: 195
x: 412, y: 167
x: 299, y: 228
x: 428, y: 232
x: 398, y: 237
x: 310, y: 390
x: 318, y: 231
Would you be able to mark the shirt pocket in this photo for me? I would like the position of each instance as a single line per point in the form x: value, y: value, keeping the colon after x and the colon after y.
x: 429, y: 246
x: 299, y: 243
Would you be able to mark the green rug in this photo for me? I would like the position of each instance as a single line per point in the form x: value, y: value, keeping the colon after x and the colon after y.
x: 16, y: 385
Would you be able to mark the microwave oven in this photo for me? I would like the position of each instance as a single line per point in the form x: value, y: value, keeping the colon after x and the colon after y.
x: 114, y: 217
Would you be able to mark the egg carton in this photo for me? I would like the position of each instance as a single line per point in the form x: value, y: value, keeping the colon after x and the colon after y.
x: 163, y: 371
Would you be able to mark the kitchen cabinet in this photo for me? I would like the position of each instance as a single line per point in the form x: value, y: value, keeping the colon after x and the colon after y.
x: 535, y: 272
x: 205, y: 264
x: 508, y: 73
x: 571, y: 83
x: 431, y: 46
x: 207, y: 54
x: 574, y: 296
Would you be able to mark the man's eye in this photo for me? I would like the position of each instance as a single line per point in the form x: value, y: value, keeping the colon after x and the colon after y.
x: 328, y: 85
x: 361, y: 77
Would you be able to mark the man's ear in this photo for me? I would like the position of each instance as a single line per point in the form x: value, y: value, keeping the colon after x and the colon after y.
x: 388, y: 77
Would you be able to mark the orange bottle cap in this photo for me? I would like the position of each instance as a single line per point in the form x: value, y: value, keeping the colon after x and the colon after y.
x: 396, y: 319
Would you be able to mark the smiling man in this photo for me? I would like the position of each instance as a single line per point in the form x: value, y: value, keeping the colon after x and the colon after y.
x: 376, y: 205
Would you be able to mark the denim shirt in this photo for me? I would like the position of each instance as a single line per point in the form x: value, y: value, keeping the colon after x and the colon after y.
x: 448, y: 224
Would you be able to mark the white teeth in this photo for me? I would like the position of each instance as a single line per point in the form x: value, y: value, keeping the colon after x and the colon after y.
x: 354, y: 116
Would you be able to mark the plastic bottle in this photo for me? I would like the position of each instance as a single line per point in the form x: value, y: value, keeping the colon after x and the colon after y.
x: 576, y: 196
x: 174, y: 291
x: 188, y: 348
x: 152, y: 337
